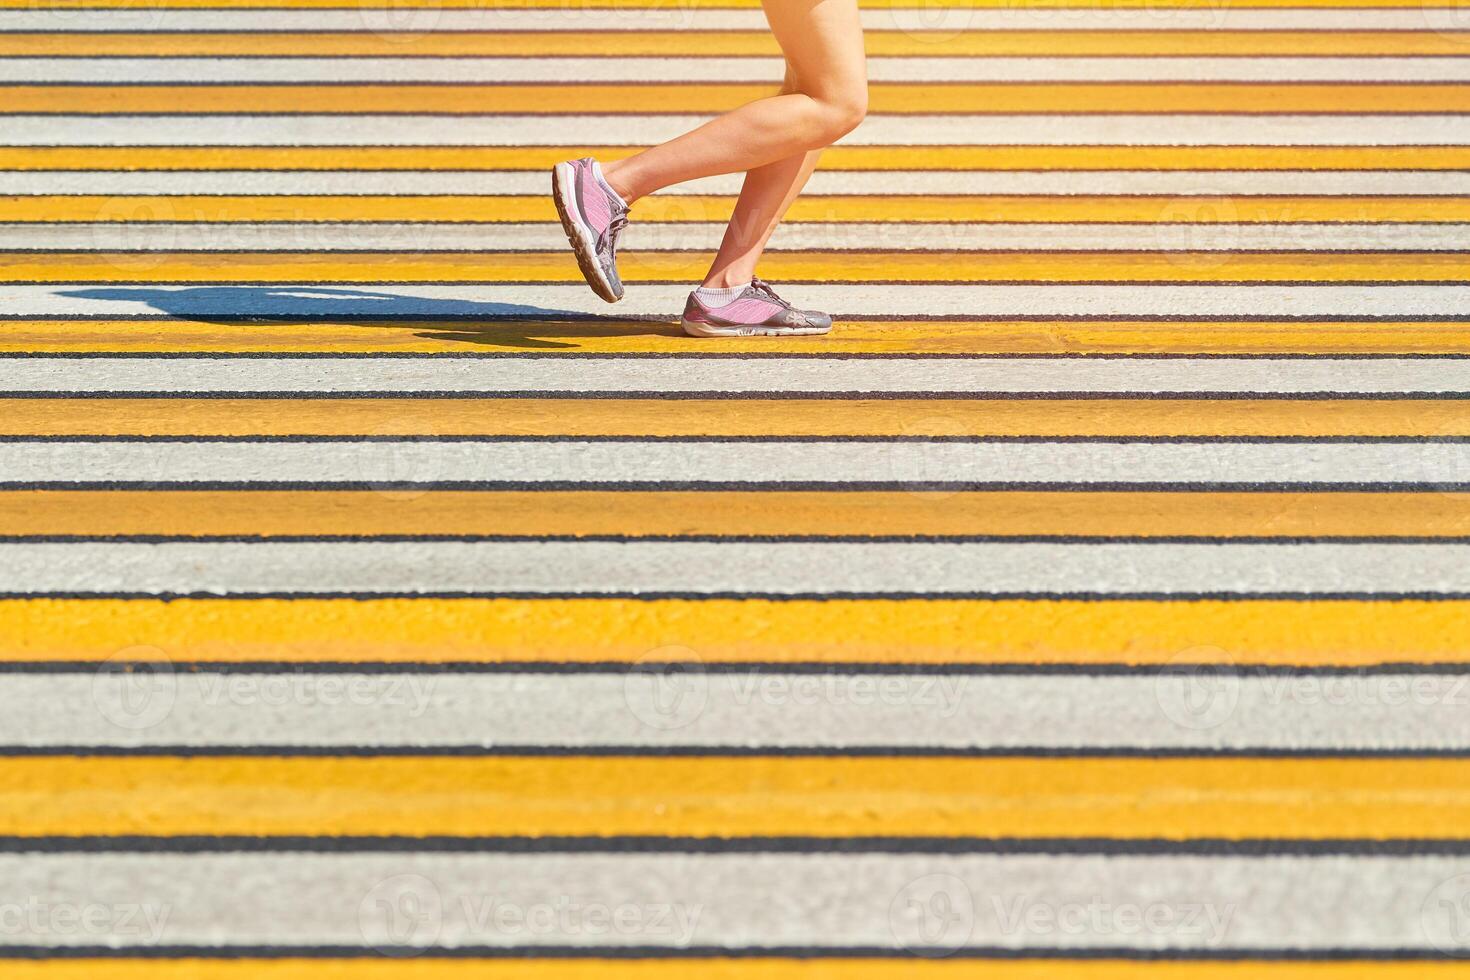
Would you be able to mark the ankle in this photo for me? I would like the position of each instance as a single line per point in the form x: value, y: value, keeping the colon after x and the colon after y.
x: 725, y: 279
x: 715, y: 297
x: 613, y: 174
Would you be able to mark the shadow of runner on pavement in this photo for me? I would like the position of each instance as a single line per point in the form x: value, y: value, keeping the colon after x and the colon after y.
x: 494, y: 324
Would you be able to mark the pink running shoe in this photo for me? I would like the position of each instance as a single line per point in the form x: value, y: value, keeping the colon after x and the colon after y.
x: 593, y: 217
x: 756, y: 312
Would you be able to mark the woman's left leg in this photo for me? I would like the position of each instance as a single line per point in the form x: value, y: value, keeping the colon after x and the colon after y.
x: 765, y: 196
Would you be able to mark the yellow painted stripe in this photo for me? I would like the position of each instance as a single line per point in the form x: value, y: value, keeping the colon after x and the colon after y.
x: 426, y: 967
x: 1291, y: 633
x: 735, y: 43
x: 1025, y: 209
x: 743, y: 417
x: 612, y: 336
x: 1118, y: 798
x: 862, y: 267
x: 986, y: 158
x: 966, y: 97
x: 277, y: 513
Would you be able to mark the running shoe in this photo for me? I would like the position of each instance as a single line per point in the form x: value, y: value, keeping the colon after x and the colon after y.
x: 593, y: 218
x: 756, y: 312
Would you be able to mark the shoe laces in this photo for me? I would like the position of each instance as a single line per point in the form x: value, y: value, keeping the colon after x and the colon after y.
x: 614, y: 231
x: 764, y: 288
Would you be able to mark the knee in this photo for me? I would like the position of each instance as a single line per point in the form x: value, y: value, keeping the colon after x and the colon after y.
x: 841, y: 113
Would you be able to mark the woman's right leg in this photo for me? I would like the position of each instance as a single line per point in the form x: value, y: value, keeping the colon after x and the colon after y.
x: 823, y: 42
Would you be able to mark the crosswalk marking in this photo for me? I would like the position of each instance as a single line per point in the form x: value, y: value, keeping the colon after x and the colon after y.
x: 626, y: 514
x: 347, y: 544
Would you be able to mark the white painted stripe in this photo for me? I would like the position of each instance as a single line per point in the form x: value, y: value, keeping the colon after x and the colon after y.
x: 1409, y: 464
x: 974, y: 375
x: 794, y: 236
x: 826, y: 182
x: 663, y: 302
x: 826, y: 901
x: 696, y: 568
x: 746, y: 710
x: 672, y: 17
x: 980, y: 69
x: 506, y: 130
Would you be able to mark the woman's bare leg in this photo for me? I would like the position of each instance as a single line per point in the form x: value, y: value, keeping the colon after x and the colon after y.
x: 767, y: 193
x: 823, y: 44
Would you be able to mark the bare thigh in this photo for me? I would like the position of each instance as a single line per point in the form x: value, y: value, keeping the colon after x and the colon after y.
x: 822, y: 41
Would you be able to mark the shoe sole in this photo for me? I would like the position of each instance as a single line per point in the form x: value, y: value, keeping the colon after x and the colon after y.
x: 583, y: 247
x: 750, y: 330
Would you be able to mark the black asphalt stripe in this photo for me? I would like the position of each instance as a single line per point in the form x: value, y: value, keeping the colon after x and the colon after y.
x: 545, y: 952
x: 477, y: 318
x: 286, y: 254
x: 714, y: 485
x: 288, y: 844
x: 1072, y: 539
x: 756, y: 395
x: 908, y: 668
x: 916, y: 597
x: 573, y: 113
x: 513, y: 168
x: 702, y: 752
x: 713, y: 355
x: 639, y: 83
x: 1142, y: 284
x: 1043, y: 440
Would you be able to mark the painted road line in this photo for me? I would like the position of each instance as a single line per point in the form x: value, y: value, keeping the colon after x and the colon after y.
x: 419, y: 239
x: 823, y: 183
x: 897, y: 301
x: 724, y: 417
x: 694, y: 569
x: 632, y: 513
x: 523, y: 130
x: 359, y: 335
x: 918, y: 69
x: 1338, y: 633
x: 598, y: 20
x: 838, y: 797
x: 678, y: 209
x: 745, y: 711
x: 869, y: 464
x: 713, y: 513
x: 1426, y: 41
x: 828, y: 268
x: 715, y: 904
x: 540, y: 158
x: 765, y: 377
x: 540, y: 966
x: 913, y: 97
x: 469, y: 70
